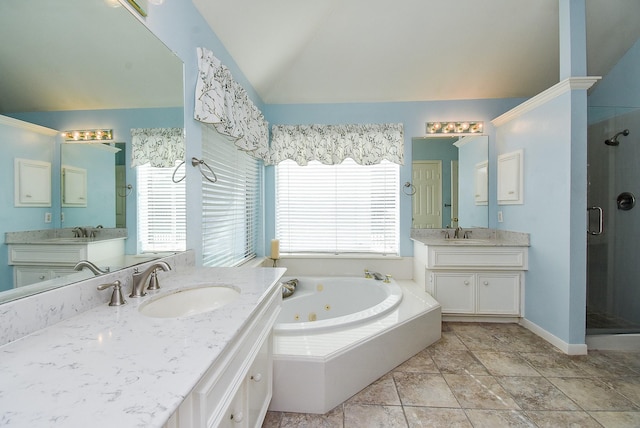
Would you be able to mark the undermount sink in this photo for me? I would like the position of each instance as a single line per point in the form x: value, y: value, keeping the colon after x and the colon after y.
x: 189, y: 302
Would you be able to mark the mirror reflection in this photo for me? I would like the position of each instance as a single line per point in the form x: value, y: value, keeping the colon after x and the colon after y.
x: 449, y: 175
x: 99, y: 68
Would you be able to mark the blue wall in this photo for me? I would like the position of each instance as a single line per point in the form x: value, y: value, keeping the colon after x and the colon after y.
x: 121, y: 121
x: 25, y: 144
x: 413, y: 115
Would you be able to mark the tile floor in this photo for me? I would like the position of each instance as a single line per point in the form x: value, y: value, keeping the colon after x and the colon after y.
x: 491, y: 375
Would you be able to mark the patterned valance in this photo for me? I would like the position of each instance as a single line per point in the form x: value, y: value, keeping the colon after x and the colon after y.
x: 222, y: 102
x: 160, y: 147
x: 332, y: 144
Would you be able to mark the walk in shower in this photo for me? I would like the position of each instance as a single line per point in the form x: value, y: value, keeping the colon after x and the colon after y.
x: 613, y: 236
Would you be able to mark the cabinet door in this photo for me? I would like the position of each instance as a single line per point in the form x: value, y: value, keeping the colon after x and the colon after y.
x: 499, y: 293
x: 31, y: 275
x: 259, y: 384
x: 510, y: 175
x: 235, y: 416
x: 454, y: 291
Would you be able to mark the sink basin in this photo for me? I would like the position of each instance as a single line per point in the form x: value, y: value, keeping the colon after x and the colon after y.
x: 189, y: 302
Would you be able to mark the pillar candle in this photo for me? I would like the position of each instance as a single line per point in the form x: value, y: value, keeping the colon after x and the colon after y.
x: 275, y: 249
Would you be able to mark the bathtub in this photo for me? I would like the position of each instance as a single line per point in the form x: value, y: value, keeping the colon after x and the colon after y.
x: 336, y: 335
x: 333, y: 303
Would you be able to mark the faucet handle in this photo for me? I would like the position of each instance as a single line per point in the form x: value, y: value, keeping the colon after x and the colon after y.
x: 387, y: 279
x: 116, y: 296
x: 367, y: 274
x: 153, y: 281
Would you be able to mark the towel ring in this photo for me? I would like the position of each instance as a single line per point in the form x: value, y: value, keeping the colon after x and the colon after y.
x: 199, y: 162
x: 129, y: 189
x: 410, y: 186
x: 173, y: 176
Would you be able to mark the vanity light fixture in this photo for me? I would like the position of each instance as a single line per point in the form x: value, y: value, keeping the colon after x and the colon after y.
x: 97, y: 135
x: 455, y: 128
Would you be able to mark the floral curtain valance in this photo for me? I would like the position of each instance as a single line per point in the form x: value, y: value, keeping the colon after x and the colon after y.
x: 332, y: 144
x: 222, y: 102
x: 160, y: 147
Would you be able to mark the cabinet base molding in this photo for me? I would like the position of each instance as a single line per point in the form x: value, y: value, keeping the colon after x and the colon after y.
x: 481, y: 318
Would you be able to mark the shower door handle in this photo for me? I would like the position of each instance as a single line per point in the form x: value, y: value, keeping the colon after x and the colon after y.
x: 600, y: 220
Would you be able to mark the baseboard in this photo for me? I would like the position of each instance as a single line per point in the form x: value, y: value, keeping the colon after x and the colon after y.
x: 567, y: 348
x: 614, y: 342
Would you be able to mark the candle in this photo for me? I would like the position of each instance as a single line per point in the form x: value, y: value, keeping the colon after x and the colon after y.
x: 275, y: 249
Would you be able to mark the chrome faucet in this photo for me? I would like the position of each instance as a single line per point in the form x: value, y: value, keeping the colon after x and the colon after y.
x: 140, y: 278
x: 87, y: 264
x: 457, y: 233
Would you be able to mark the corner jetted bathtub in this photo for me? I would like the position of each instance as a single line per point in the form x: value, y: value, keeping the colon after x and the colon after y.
x: 336, y: 335
x: 332, y: 303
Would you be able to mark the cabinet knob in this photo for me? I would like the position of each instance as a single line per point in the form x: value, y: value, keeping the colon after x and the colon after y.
x: 41, y: 276
x: 466, y: 283
x: 237, y: 417
x: 486, y: 283
x: 256, y: 377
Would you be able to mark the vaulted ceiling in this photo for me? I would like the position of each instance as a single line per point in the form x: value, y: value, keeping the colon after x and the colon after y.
x: 325, y: 51
x: 78, y: 54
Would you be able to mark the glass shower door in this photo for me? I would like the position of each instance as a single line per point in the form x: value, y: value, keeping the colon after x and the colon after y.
x: 613, y: 236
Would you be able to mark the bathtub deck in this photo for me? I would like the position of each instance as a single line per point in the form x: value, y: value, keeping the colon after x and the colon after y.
x: 316, y: 372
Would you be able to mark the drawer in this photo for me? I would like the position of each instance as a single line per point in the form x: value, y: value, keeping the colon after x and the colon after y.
x: 447, y: 257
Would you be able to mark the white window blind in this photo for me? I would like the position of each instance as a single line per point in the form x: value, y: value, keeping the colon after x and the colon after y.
x: 162, y: 221
x: 345, y: 208
x: 231, y: 206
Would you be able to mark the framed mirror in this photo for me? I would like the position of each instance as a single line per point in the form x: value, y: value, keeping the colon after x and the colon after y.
x: 449, y: 176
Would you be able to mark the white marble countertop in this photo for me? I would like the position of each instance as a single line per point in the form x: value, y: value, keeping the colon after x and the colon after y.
x: 113, y: 367
x: 460, y: 242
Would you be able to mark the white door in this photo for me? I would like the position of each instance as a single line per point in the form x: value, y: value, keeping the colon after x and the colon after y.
x: 427, y: 201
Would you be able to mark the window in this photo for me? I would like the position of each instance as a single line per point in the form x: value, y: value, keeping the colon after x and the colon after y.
x: 231, y: 207
x: 345, y: 208
x: 161, y: 210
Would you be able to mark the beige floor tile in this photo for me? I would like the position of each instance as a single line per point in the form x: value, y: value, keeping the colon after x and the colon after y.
x: 479, y: 392
x: 505, y: 364
x: 629, y: 387
x: 536, y: 393
x: 331, y: 419
x: 592, y: 394
x: 381, y: 392
x: 600, y: 364
x: 553, y: 364
x: 272, y: 420
x: 557, y: 419
x: 498, y: 418
x: 419, y: 363
x: 448, y: 342
x: 424, y: 389
x: 430, y: 417
x: 367, y: 416
x: 617, y: 419
x: 460, y: 362
x: 627, y: 359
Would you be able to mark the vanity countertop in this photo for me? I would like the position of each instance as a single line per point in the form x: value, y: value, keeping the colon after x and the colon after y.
x: 471, y: 242
x: 479, y: 237
x: 112, y: 366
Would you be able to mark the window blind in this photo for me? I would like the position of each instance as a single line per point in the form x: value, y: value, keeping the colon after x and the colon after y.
x: 162, y: 222
x: 231, y: 206
x: 345, y: 208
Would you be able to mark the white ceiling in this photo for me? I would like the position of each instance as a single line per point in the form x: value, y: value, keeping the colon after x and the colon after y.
x: 83, y: 55
x: 325, y: 51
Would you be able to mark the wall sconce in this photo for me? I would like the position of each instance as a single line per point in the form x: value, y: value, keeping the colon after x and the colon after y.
x: 98, y: 135
x: 455, y: 128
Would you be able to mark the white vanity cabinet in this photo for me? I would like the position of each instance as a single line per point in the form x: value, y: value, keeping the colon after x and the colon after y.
x: 237, y: 388
x: 473, y: 280
x: 41, y: 261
